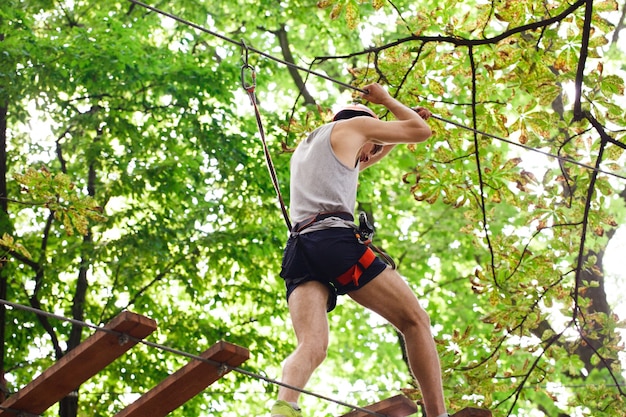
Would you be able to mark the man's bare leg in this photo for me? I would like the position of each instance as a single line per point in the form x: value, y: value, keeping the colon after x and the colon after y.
x: 391, y: 297
x: 307, y: 308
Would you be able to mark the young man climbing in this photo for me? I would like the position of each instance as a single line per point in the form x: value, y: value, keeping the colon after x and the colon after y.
x: 323, y: 257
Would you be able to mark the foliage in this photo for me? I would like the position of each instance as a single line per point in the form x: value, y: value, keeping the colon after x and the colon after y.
x: 136, y: 180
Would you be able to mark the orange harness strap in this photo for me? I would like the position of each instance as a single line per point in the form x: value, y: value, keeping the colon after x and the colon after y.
x: 354, y: 273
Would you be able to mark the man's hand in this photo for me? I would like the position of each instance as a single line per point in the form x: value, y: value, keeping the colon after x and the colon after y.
x: 423, y: 112
x: 378, y: 95
x: 375, y: 93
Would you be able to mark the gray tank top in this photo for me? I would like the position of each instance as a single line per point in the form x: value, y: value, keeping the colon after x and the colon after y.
x: 320, y: 183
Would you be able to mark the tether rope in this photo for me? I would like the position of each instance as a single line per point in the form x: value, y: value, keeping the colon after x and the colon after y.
x: 175, y: 351
x: 349, y: 86
x: 250, y: 87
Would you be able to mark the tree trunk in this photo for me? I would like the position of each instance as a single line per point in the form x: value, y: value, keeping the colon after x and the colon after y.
x: 3, y: 228
x: 286, y: 50
x: 68, y: 407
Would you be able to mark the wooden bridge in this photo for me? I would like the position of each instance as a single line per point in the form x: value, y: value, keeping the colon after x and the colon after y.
x: 124, y: 332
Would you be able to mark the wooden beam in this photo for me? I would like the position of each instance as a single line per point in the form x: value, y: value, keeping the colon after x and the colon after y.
x: 472, y: 412
x: 79, y: 364
x: 187, y: 382
x: 398, y: 406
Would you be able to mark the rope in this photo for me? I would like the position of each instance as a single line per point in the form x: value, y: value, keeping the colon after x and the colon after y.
x: 249, y: 87
x: 178, y: 352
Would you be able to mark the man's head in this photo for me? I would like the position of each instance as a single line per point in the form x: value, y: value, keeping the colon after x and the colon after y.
x: 354, y: 110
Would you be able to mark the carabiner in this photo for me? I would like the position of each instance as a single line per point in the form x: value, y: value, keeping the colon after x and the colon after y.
x: 249, y: 87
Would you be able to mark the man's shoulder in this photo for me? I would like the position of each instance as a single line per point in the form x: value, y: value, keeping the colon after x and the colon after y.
x: 319, y: 134
x: 325, y: 128
x: 357, y: 126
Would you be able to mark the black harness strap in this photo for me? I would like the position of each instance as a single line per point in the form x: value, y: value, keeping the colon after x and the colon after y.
x: 309, y: 221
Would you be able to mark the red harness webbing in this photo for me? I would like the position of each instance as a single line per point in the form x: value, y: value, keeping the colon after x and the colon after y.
x: 354, y: 273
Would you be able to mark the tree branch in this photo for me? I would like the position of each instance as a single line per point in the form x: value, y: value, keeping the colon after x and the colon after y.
x: 620, y: 26
x: 584, y: 52
x: 461, y: 41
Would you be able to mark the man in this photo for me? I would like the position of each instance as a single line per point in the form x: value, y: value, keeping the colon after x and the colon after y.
x: 324, y: 258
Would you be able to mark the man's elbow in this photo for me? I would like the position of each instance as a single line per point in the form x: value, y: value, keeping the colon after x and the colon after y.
x: 422, y: 134
x: 415, y: 131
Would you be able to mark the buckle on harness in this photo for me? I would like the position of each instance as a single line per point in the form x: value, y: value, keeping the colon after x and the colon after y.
x: 365, y: 233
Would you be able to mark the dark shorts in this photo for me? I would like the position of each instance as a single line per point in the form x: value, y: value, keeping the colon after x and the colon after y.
x: 334, y: 257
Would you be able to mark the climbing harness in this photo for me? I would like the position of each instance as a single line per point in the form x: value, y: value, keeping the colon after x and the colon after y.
x: 310, y: 221
x: 246, y: 68
x: 364, y: 232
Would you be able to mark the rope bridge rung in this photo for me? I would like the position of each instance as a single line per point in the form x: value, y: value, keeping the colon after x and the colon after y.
x: 472, y: 412
x: 398, y: 406
x: 79, y: 364
x: 402, y: 406
x: 187, y: 382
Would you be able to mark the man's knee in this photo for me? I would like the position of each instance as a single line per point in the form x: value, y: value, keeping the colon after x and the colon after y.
x: 315, y: 350
x: 320, y: 354
x: 416, y: 320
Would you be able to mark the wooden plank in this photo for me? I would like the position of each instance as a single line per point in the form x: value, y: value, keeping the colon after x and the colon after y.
x: 398, y: 406
x: 472, y: 412
x: 79, y: 364
x: 187, y: 382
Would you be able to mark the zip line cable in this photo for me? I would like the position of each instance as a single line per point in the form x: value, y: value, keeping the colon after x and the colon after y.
x: 529, y: 148
x: 240, y: 44
x: 219, y: 365
x: 352, y: 87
